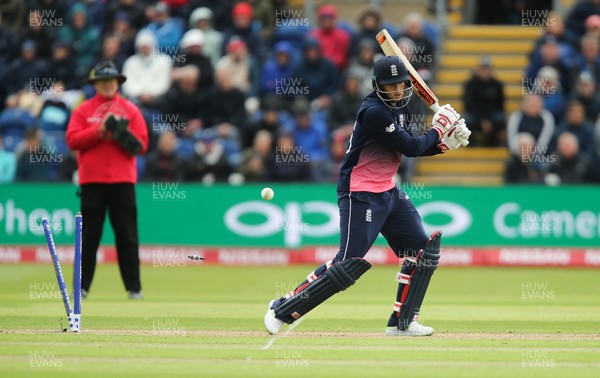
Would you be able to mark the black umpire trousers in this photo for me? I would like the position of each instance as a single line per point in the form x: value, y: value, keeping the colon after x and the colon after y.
x: 119, y: 200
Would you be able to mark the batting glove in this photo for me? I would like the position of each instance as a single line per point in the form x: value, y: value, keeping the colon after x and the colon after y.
x: 444, y: 119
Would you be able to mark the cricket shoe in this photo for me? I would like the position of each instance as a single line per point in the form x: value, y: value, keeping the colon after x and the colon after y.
x: 272, y: 324
x: 135, y: 295
x: 413, y: 329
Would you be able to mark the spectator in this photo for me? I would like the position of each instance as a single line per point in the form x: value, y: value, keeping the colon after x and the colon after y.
x: 570, y: 167
x: 82, y: 37
x: 167, y: 30
x: 15, y: 120
x: 41, y: 29
x: 362, y: 64
x: 589, y: 57
x: 277, y: 71
x: 317, y: 74
x: 227, y: 101
x: 555, y: 29
x: 184, y: 100
x: 192, y: 53
x: 369, y: 24
x: 271, y: 118
x: 549, y: 54
x: 548, y: 86
x: 148, y: 71
x: 163, y: 164
x: 201, y: 18
x: 63, y: 66
x: 209, y: 163
x: 576, y: 124
x: 54, y: 114
x: 111, y: 51
x: 26, y: 72
x: 241, y: 16
x: 240, y: 67
x: 14, y: 12
x: 287, y: 164
x: 254, y: 158
x: 579, y: 14
x: 8, y: 164
x: 337, y: 152
x: 523, y: 167
x: 133, y: 9
x: 345, y: 103
x: 483, y: 98
x: 9, y: 43
x: 534, y: 120
x: 264, y: 21
x: 592, y: 25
x: 334, y: 41
x: 585, y: 93
x: 125, y: 33
x: 423, y: 59
x: 310, y: 135
x: 34, y: 159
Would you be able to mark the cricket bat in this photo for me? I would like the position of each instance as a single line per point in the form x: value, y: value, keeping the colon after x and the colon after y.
x: 390, y: 48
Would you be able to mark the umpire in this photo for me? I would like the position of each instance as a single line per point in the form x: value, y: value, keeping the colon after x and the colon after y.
x: 108, y: 131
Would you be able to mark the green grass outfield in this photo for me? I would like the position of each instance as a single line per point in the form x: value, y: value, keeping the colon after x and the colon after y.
x: 206, y: 321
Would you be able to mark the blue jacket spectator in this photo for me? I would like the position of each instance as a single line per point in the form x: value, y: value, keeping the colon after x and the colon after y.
x: 576, y: 124
x: 317, y: 74
x: 34, y: 160
x: 25, y: 72
x: 589, y: 57
x: 82, y: 37
x: 8, y: 165
x: 167, y: 30
x: 14, y: 123
x: 550, y: 54
x: 278, y: 69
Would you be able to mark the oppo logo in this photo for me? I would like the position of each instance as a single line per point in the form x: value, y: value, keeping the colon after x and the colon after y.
x: 289, y: 219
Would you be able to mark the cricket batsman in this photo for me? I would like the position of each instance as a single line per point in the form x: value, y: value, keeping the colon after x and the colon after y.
x: 370, y: 203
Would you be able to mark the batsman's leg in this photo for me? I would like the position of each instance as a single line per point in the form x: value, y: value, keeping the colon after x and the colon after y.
x: 361, y: 217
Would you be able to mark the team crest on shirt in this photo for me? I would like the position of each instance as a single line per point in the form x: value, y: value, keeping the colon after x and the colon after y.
x: 390, y: 128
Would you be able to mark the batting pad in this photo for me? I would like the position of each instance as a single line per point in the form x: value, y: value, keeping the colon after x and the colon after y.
x: 337, y: 278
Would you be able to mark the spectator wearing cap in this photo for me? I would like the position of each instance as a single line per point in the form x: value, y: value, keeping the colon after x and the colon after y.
x: 592, y: 25
x: 585, y: 92
x: 369, y: 24
x: 202, y: 19
x: 108, y: 132
x: 579, y: 14
x: 576, y: 124
x: 549, y: 54
x: 167, y: 30
x: 423, y: 55
x: 82, y: 37
x: 589, y: 57
x: 241, y: 16
x: 148, y: 71
x: 555, y: 29
x: 277, y: 70
x: 483, y: 98
x: 345, y: 102
x: 337, y: 152
x: 209, y: 163
x: 362, y: 64
x: 241, y: 67
x: 317, y: 74
x: 334, y: 41
x: 271, y: 117
x: 25, y: 69
x: 569, y: 166
x: 534, y: 120
x: 192, y: 52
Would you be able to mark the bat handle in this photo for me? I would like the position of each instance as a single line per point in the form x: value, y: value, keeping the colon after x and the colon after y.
x: 435, y: 106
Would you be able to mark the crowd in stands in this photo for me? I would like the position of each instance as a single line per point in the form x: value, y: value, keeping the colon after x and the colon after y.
x: 240, y: 91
